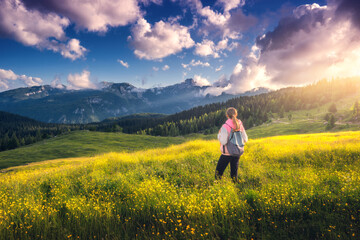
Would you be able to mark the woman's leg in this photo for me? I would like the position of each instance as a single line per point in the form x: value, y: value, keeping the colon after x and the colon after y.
x: 221, y: 165
x: 234, y: 166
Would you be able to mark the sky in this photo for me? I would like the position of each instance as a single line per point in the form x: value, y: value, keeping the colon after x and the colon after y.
x: 229, y: 45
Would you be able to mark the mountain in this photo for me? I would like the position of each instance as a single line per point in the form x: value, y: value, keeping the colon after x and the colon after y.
x: 61, y: 105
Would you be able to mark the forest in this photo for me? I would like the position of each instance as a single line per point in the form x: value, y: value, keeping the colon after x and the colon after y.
x: 252, y: 110
x: 16, y: 131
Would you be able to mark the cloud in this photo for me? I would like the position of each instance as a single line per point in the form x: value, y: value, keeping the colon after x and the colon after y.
x: 30, y: 81
x: 80, y: 81
x: 349, y: 9
x: 206, y: 48
x: 38, y: 29
x: 219, y: 68
x: 228, y: 24
x: 95, y: 16
x: 125, y: 64
x: 7, y: 74
x: 194, y: 63
x: 155, y: 69
x: 165, y: 67
x: 200, y: 81
x: 56, y: 83
x: 147, y: 2
x: 209, y: 48
x: 72, y: 49
x: 9, y: 80
x: 231, y: 4
x: 316, y: 42
x: 238, y: 68
x: 159, y: 41
x: 218, y: 87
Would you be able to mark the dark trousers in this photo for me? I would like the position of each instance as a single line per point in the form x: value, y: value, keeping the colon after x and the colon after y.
x: 222, y: 164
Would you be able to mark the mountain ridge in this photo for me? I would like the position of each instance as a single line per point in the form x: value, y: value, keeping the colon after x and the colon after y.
x: 61, y: 105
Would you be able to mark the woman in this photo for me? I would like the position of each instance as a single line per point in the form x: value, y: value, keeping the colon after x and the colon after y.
x: 223, y: 136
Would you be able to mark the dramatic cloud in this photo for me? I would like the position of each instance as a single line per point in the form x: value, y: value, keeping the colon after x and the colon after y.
x: 80, y: 81
x: 9, y: 80
x: 125, y: 64
x: 312, y: 44
x: 194, y: 63
x: 159, y: 41
x: 349, y: 9
x: 34, y: 28
x: 229, y: 24
x: 92, y: 15
x: 200, y: 81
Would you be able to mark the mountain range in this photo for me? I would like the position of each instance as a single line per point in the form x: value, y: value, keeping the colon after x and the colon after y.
x: 61, y: 105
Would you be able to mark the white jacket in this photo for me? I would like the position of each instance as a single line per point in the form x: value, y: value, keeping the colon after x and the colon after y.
x: 224, y: 133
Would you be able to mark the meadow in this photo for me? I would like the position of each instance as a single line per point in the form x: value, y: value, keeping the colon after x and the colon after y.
x: 82, y: 143
x: 290, y: 187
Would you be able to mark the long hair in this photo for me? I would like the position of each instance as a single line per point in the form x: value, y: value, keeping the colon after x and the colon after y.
x: 232, y: 114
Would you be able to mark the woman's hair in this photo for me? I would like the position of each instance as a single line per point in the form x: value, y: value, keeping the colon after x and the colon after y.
x: 232, y: 114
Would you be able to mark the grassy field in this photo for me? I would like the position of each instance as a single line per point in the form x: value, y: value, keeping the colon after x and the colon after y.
x: 290, y: 187
x: 82, y: 143
x: 308, y: 121
x: 86, y: 143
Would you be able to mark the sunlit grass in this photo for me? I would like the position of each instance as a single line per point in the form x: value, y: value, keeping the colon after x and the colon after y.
x: 82, y: 143
x: 291, y: 187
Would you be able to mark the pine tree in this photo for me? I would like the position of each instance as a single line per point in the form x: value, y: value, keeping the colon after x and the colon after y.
x: 38, y: 135
x: 14, y: 142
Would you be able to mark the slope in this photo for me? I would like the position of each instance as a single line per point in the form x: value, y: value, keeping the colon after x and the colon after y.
x: 291, y: 187
x: 16, y: 130
x: 80, y: 144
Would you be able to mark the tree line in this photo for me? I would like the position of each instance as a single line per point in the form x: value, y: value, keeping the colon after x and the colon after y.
x: 16, y: 131
x: 252, y: 110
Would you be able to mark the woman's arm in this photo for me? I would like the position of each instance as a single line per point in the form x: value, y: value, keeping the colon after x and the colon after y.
x: 223, y: 135
x: 242, y: 129
x: 244, y: 135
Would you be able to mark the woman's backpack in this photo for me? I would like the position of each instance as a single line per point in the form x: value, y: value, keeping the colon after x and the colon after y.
x: 235, y: 145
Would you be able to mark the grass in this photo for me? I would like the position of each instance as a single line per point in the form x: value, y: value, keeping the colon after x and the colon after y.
x: 82, y: 143
x: 291, y: 187
x: 86, y: 143
x: 308, y: 121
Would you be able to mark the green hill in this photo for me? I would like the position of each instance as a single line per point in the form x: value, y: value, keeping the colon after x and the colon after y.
x: 16, y: 130
x: 80, y: 144
x: 291, y: 187
x: 310, y: 120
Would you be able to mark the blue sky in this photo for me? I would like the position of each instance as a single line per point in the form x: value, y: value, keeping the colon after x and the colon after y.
x: 229, y: 44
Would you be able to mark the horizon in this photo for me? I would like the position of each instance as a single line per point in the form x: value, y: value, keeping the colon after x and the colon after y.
x: 231, y: 46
